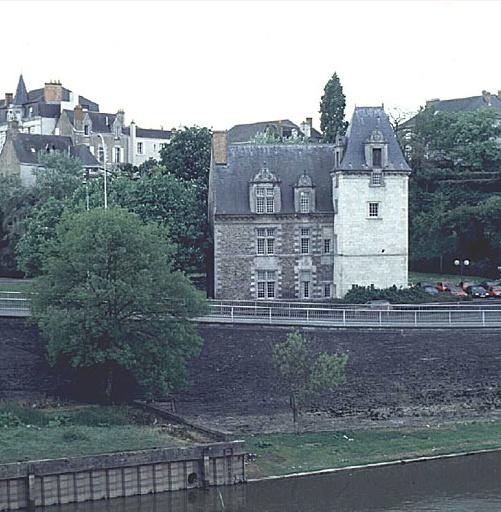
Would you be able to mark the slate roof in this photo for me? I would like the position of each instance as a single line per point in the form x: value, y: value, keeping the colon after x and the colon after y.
x: 21, y: 96
x: 101, y: 121
x: 148, y: 133
x: 28, y: 146
x: 364, y: 121
x: 470, y: 104
x: 247, y: 132
x: 287, y: 161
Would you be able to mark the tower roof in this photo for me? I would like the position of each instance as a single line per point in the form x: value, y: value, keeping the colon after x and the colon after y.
x: 367, y: 124
x: 21, y: 96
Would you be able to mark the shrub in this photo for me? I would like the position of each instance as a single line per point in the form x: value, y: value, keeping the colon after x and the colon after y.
x: 26, y: 415
x: 363, y: 294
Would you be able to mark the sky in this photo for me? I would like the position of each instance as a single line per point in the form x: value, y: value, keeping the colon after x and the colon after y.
x: 220, y: 63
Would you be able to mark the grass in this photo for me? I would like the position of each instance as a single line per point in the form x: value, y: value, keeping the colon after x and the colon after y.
x: 31, y: 434
x: 417, y: 277
x: 280, y: 454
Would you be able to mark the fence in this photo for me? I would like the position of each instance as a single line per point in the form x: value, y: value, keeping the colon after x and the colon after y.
x: 486, y: 314
x: 317, y: 314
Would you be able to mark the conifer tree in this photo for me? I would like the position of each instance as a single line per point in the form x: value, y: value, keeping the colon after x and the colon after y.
x: 332, y: 105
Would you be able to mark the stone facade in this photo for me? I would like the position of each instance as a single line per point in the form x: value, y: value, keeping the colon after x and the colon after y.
x: 309, y: 221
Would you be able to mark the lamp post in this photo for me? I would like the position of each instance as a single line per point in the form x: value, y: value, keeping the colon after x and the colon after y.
x: 461, y: 264
x: 105, y: 171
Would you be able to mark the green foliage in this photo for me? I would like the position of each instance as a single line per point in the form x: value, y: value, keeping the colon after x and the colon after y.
x: 40, y: 229
x: 332, y: 105
x: 187, y: 156
x: 163, y: 199
x: 304, y: 375
x: 59, y: 176
x: 109, y: 301
x: 16, y: 203
x: 455, y: 191
x: 363, y: 294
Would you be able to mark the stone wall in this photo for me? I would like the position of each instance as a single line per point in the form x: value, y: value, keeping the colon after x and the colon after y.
x: 24, y: 371
x: 97, y: 477
x: 388, y: 369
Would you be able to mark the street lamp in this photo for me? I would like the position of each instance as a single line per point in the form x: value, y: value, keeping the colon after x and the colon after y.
x: 461, y: 264
x: 105, y: 170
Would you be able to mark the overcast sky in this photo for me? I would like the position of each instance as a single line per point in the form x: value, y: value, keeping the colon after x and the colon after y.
x: 217, y: 64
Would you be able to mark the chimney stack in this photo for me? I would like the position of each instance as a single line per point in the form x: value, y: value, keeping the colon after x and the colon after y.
x: 306, y: 126
x: 53, y: 92
x: 9, y: 98
x: 487, y: 97
x: 220, y: 147
x: 78, y: 113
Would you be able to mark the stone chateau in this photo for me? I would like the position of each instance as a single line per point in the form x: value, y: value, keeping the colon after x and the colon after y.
x: 309, y: 221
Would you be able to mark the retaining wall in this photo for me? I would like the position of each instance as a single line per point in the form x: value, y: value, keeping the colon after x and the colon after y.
x: 60, y: 481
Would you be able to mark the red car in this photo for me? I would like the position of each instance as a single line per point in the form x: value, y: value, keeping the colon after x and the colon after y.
x: 443, y: 287
x: 457, y: 291
x: 494, y: 290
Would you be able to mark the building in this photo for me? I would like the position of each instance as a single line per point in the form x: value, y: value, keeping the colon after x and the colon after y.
x: 56, y: 110
x: 282, y: 129
x: 20, y: 153
x: 309, y: 221
x: 456, y: 105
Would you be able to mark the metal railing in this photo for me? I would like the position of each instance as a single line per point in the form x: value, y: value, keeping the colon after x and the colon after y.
x: 340, y: 315
x: 14, y: 304
x: 323, y: 314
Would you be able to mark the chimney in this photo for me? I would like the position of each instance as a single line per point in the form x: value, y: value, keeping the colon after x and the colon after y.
x: 53, y: 92
x: 306, y: 126
x: 220, y: 147
x: 121, y: 116
x: 9, y: 98
x: 487, y: 97
x: 13, y: 128
x: 431, y: 103
x: 78, y: 113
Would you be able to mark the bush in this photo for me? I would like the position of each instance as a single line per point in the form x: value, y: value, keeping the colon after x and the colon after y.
x: 363, y: 294
x: 24, y: 414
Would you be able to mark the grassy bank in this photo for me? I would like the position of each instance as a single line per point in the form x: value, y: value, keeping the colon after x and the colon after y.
x: 29, y: 434
x: 280, y: 454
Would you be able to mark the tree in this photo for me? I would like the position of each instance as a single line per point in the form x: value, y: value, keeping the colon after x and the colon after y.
x: 40, y: 229
x: 58, y: 177
x: 304, y: 375
x: 161, y: 198
x: 332, y: 105
x: 109, y: 301
x: 187, y: 156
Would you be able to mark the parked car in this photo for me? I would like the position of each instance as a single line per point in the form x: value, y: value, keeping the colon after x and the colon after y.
x: 457, y: 291
x: 430, y: 290
x: 443, y: 287
x: 493, y: 290
x: 477, y: 291
x: 466, y: 284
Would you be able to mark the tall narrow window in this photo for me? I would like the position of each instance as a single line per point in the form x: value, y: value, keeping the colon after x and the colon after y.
x: 373, y: 210
x: 266, y: 284
x: 270, y: 200
x: 327, y: 245
x: 139, y: 148
x: 327, y: 290
x: 304, y: 202
x: 86, y: 129
x: 117, y: 154
x: 100, y: 154
x: 305, y: 241
x: 260, y: 200
x: 377, y: 157
x: 305, y: 284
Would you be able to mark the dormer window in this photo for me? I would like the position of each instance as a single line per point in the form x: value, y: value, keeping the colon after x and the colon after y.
x: 264, y: 192
x: 265, y: 200
x: 86, y: 129
x: 304, y: 202
x: 304, y: 194
x: 376, y: 150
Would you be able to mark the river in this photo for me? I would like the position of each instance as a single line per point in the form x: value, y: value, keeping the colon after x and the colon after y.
x: 462, y: 484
